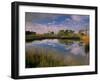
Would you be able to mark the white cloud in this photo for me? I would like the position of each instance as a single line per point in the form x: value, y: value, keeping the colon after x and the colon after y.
x: 76, y: 18
x: 39, y: 28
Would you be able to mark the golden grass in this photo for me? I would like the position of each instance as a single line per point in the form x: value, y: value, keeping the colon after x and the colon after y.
x: 85, y: 39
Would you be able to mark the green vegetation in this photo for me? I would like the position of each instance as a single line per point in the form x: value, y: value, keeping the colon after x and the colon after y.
x: 62, y: 34
x: 66, y: 33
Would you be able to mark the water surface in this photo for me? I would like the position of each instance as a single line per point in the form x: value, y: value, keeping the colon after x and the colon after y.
x: 72, y: 51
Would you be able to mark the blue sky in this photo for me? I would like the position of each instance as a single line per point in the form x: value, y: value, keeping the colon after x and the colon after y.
x: 55, y: 22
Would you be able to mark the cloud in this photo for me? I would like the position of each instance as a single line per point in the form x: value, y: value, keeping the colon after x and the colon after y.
x: 29, y: 17
x: 79, y: 18
x: 44, y: 22
x: 76, y: 18
x: 39, y: 28
x: 77, y: 22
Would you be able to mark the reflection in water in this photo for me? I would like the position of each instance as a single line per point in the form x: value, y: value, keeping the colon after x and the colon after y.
x: 69, y: 49
x: 73, y: 47
x: 76, y: 49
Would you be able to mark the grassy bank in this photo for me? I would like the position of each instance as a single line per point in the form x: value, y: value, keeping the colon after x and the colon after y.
x: 32, y: 37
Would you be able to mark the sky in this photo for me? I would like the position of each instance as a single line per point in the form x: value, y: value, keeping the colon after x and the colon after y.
x: 46, y: 22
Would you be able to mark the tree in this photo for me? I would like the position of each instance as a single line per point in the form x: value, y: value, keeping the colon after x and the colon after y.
x: 29, y: 32
x: 61, y: 32
x: 34, y: 33
x: 52, y: 33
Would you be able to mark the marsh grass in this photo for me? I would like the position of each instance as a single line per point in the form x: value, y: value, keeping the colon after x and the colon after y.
x: 86, y: 41
x: 49, y: 58
x: 42, y: 58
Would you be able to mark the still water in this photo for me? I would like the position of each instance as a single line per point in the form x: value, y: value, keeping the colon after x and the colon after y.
x: 67, y: 48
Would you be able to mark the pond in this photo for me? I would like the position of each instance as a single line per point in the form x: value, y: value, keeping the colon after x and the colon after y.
x: 59, y: 52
